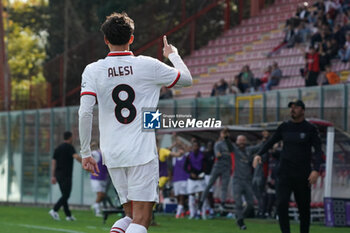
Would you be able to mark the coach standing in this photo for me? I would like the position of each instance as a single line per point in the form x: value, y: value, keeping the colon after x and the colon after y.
x: 61, y: 172
x: 295, y: 174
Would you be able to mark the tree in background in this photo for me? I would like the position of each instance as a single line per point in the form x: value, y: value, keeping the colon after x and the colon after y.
x: 85, y: 17
x: 26, y: 38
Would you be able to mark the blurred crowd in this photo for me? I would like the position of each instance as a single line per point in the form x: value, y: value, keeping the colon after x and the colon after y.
x: 323, y: 28
x: 246, y: 82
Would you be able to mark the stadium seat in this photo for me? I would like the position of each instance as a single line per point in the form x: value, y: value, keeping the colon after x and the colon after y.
x: 249, y: 43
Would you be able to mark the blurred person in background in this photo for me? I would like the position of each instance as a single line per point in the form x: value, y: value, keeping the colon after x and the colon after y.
x: 344, y: 52
x: 259, y: 179
x: 214, y: 90
x: 242, y: 178
x: 272, y: 180
x: 235, y: 86
x: 246, y: 79
x: 62, y: 172
x: 98, y: 183
x: 276, y: 75
x: 313, y: 67
x: 331, y: 77
x: 179, y: 179
x: 209, y: 160
x: 222, y: 168
x: 222, y: 87
x: 261, y: 83
x: 164, y: 155
x: 196, y: 183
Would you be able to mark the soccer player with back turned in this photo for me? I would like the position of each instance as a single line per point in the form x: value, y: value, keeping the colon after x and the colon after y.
x: 295, y: 173
x: 124, y: 84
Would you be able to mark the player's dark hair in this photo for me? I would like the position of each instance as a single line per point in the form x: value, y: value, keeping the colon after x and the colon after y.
x: 118, y: 28
x: 67, y: 135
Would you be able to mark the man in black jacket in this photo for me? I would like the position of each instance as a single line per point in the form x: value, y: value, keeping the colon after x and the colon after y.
x: 295, y: 174
x: 61, y: 172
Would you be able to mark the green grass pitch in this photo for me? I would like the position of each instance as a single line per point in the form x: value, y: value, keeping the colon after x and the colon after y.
x: 37, y: 220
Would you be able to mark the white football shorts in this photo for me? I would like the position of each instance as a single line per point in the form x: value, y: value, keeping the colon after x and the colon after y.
x: 99, y: 186
x: 180, y: 187
x: 195, y: 186
x: 137, y: 183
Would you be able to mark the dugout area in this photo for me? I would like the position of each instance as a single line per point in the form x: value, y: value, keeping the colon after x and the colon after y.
x: 337, y: 197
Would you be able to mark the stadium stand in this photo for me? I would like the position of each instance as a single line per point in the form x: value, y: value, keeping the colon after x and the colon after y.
x: 248, y: 44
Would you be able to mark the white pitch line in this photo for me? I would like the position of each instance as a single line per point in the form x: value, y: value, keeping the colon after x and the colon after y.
x: 48, y: 228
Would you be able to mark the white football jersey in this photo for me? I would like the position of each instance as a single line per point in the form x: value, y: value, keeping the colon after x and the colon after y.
x: 124, y: 84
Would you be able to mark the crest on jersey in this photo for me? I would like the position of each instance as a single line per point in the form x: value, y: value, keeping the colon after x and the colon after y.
x: 151, y: 119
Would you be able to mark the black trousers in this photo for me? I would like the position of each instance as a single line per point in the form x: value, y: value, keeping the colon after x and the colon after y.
x: 65, y: 187
x: 311, y: 79
x: 302, y: 193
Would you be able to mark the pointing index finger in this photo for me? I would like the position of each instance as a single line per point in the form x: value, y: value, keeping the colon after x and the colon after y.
x: 165, y: 41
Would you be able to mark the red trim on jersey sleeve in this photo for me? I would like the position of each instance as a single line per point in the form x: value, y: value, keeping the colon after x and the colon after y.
x: 113, y: 54
x: 88, y: 93
x: 177, y: 79
x: 117, y: 230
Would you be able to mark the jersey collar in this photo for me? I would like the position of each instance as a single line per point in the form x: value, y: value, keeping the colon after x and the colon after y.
x: 120, y: 53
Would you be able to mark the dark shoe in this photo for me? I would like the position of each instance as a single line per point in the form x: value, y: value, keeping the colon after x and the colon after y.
x: 241, y: 224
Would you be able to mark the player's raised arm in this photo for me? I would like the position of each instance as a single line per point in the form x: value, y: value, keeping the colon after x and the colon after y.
x: 184, y: 78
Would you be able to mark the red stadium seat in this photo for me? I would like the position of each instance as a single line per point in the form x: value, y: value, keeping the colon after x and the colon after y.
x: 249, y: 43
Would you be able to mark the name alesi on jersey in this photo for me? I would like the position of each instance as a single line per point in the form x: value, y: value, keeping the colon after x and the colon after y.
x: 119, y: 71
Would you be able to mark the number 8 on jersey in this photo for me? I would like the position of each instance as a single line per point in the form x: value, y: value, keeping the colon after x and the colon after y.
x: 121, y: 104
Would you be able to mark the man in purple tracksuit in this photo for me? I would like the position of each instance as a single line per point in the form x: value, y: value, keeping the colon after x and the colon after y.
x: 98, y: 183
x: 196, y: 182
x: 180, y: 177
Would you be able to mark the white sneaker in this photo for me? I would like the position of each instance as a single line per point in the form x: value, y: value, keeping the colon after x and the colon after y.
x: 71, y: 218
x: 98, y: 213
x: 54, y: 215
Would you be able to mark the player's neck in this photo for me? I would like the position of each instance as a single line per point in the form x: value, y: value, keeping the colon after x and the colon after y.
x: 119, y: 47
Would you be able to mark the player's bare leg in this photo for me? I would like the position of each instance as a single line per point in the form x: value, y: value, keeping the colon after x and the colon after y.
x: 142, y: 213
x: 180, y: 206
x: 97, y: 205
x: 128, y: 209
x: 100, y: 197
x: 122, y: 224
